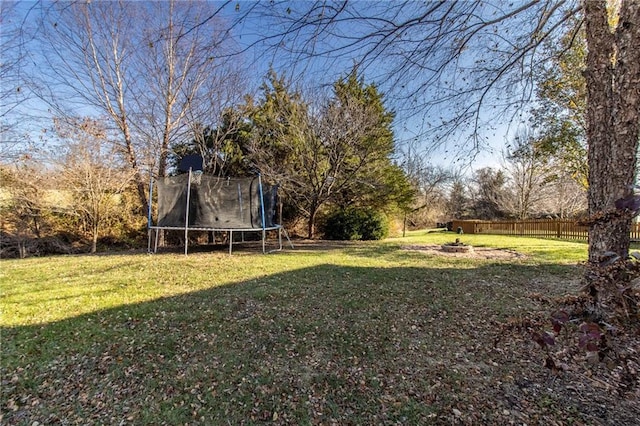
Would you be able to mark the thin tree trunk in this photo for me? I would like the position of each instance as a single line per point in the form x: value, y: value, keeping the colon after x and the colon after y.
x: 94, y: 242
x: 137, y: 175
x: 169, y: 99
x: 313, y: 210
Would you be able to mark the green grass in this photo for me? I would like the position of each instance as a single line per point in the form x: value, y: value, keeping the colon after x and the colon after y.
x: 354, y: 334
x: 543, y: 250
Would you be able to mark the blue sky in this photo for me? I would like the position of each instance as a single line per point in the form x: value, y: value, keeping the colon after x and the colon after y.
x: 334, y: 56
x: 412, y: 124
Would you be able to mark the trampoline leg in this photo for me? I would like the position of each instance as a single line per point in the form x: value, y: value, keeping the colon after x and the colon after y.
x: 264, y: 237
x: 230, y: 240
x: 155, y: 246
x: 287, y: 235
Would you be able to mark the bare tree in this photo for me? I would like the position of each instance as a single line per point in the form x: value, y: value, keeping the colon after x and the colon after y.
x: 182, y: 70
x: 566, y: 197
x: 347, y: 156
x: 92, y: 172
x: 143, y: 65
x: 528, y: 175
x: 87, y: 61
x: 24, y: 208
x: 304, y: 152
x: 487, y: 193
x: 214, y: 120
x: 430, y: 182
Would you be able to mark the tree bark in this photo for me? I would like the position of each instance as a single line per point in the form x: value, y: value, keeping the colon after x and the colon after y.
x: 313, y: 210
x: 94, y: 241
x: 612, y: 77
x: 137, y: 173
x: 613, y: 115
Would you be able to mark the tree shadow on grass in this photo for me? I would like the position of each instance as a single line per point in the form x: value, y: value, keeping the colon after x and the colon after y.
x: 319, y: 345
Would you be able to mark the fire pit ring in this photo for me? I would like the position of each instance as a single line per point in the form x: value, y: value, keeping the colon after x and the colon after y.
x: 457, y: 247
x: 450, y: 248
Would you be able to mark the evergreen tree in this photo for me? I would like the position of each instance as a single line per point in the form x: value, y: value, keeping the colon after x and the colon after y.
x: 223, y: 148
x: 339, y: 153
x: 458, y: 202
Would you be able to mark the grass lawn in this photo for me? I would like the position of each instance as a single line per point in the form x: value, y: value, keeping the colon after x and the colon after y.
x: 345, y: 334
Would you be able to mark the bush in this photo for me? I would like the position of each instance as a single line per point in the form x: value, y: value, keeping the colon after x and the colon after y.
x: 20, y: 246
x: 356, y: 224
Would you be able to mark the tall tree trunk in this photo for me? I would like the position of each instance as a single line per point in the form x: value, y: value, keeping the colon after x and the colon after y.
x: 169, y: 96
x: 313, y: 210
x: 137, y: 174
x: 613, y: 118
x: 94, y: 242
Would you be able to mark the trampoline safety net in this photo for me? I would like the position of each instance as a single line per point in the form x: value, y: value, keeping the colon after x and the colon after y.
x: 215, y: 203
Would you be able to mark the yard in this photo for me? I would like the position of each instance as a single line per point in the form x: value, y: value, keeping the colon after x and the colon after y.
x: 387, y: 333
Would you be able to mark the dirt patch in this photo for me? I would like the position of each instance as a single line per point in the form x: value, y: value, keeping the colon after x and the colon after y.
x: 476, y: 253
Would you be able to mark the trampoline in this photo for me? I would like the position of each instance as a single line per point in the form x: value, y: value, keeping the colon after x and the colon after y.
x: 194, y: 201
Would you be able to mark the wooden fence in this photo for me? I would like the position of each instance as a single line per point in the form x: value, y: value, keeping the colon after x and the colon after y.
x: 545, y: 228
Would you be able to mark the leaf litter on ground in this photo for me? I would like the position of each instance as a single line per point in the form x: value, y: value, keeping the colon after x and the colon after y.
x: 330, y: 342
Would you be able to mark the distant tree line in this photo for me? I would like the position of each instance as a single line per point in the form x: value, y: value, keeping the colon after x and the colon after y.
x: 527, y: 183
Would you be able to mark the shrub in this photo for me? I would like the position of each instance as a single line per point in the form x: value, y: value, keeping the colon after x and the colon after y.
x: 356, y: 224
